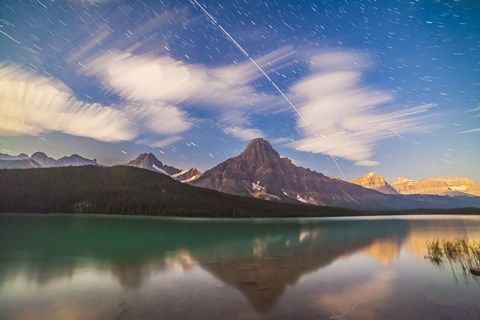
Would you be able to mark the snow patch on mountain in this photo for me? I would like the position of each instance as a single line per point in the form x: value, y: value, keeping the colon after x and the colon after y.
x: 159, y: 169
x: 257, y: 186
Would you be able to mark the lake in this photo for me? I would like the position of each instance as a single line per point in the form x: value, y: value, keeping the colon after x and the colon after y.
x: 112, y: 267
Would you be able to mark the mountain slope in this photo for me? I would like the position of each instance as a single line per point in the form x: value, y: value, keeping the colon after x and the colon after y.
x: 21, y: 156
x: 74, y: 160
x: 461, y: 184
x: 127, y: 190
x: 42, y: 159
x: 149, y: 162
x: 453, y: 186
x: 375, y: 182
x: 19, y: 164
x: 133, y: 191
x: 259, y: 171
x: 187, y: 176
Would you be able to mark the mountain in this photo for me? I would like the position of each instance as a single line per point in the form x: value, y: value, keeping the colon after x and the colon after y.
x: 149, y: 162
x: 187, y: 176
x: 21, y: 156
x: 260, y: 172
x: 43, y: 160
x: 375, y: 182
x: 19, y: 164
x: 74, y: 160
x: 129, y: 190
x: 453, y: 186
x: 461, y: 184
x: 133, y: 191
x: 40, y: 159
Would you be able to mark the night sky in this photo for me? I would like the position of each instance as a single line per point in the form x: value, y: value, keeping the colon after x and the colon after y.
x: 386, y: 86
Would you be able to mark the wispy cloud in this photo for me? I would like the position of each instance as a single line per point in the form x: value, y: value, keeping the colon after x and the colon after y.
x: 112, y: 33
x: 155, y: 142
x: 160, y: 79
x: 245, y: 133
x: 31, y: 104
x: 158, y: 117
x: 346, y: 119
x: 149, y: 77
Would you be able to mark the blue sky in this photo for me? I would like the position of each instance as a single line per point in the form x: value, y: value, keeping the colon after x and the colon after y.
x: 385, y: 86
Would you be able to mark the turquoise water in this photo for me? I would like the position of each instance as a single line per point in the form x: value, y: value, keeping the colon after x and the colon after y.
x: 105, y: 267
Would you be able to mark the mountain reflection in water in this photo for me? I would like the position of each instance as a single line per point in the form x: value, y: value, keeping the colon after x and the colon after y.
x: 109, y: 267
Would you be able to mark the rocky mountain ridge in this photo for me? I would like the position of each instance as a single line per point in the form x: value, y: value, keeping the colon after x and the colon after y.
x: 375, y: 182
x: 188, y: 176
x: 148, y: 161
x: 452, y: 186
x: 41, y: 160
x: 260, y: 172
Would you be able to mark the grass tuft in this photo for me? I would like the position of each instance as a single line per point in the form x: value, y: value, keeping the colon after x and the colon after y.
x: 464, y: 252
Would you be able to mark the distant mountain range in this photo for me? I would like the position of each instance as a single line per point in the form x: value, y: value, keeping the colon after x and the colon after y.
x: 145, y: 161
x: 133, y: 191
x: 445, y: 186
x: 452, y: 186
x: 41, y: 160
x: 260, y: 172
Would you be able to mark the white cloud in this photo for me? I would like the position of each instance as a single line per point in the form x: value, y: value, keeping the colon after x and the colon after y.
x: 152, y: 78
x: 148, y: 77
x: 245, y: 133
x: 281, y: 140
x: 345, y: 119
x: 366, y: 163
x: 155, y: 142
x: 31, y: 104
x: 158, y: 117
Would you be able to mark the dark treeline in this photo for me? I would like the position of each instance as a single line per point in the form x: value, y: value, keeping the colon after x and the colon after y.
x: 132, y: 191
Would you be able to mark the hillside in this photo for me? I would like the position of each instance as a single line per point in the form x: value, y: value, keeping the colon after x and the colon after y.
x: 19, y: 164
x: 133, y: 191
x: 260, y: 172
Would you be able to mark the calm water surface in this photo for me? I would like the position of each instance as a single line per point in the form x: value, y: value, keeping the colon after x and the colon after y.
x: 99, y: 267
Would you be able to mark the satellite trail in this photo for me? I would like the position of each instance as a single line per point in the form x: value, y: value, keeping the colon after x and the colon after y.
x: 229, y: 37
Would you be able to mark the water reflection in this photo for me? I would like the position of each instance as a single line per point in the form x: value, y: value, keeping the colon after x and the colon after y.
x: 149, y: 268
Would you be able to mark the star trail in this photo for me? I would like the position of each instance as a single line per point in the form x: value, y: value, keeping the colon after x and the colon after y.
x: 385, y: 86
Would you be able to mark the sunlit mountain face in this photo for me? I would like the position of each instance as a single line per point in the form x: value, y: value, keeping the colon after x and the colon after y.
x: 389, y: 86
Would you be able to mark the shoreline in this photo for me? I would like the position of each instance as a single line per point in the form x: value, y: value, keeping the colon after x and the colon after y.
x: 464, y: 212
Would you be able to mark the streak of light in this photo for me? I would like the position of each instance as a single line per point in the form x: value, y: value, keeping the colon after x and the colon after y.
x: 9, y: 36
x: 245, y: 53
